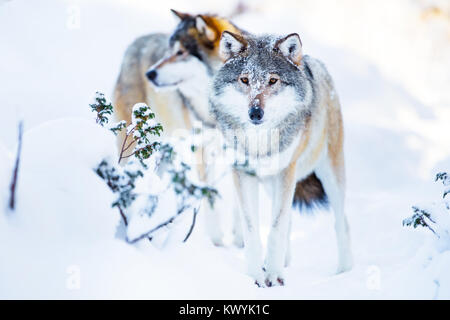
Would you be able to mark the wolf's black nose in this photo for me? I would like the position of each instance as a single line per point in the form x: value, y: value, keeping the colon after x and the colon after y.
x: 151, y: 74
x: 256, y: 114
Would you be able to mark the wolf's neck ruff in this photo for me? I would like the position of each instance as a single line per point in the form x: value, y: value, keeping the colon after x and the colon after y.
x: 187, y: 103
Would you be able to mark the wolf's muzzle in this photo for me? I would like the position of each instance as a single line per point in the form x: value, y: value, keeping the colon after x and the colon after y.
x: 256, y: 114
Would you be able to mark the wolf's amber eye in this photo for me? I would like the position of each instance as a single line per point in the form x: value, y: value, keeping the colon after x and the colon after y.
x: 272, y: 81
x: 244, y: 80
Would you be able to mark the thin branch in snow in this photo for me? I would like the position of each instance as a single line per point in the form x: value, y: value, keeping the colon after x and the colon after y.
x: 163, y: 224
x: 194, y: 218
x: 12, y: 200
x: 147, y: 234
x: 123, y: 149
x: 124, y: 217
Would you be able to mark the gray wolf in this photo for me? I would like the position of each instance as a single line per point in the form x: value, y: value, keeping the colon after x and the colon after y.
x: 171, y: 73
x: 279, y: 109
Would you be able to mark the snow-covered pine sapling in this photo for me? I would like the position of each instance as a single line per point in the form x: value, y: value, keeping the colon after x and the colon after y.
x: 143, y: 126
x: 139, y: 139
x: 102, y: 108
x: 119, y: 126
x: 121, y: 181
x: 139, y: 132
x: 186, y: 189
x: 188, y: 193
x: 436, y: 217
x: 166, y: 154
x: 182, y: 185
x: 420, y: 218
x: 445, y: 178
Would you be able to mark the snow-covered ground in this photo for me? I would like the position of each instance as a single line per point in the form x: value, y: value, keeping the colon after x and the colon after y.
x: 390, y: 63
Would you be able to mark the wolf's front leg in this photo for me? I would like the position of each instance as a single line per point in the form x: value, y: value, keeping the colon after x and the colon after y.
x: 212, y: 220
x: 206, y: 169
x: 238, y: 239
x: 278, y: 242
x: 248, y: 195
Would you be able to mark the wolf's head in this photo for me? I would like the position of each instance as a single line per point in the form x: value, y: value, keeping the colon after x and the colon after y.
x: 193, y: 51
x: 262, y: 84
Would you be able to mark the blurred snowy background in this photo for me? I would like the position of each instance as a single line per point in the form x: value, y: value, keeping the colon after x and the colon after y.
x: 390, y: 61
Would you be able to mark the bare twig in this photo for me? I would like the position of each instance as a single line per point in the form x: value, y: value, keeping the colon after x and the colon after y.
x: 163, y: 224
x: 12, y: 200
x: 147, y: 234
x: 124, y: 218
x: 123, y: 149
x: 131, y: 143
x: 194, y: 218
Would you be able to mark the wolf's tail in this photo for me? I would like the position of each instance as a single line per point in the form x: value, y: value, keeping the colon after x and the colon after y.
x: 309, y: 192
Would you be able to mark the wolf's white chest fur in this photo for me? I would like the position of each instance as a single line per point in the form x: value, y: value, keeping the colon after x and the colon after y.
x: 277, y: 109
x: 305, y: 162
x: 273, y: 164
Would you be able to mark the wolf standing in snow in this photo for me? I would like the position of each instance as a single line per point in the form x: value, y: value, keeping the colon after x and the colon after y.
x: 279, y: 110
x: 172, y: 74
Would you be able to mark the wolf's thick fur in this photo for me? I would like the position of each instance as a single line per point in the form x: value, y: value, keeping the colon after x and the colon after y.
x: 172, y: 73
x: 266, y: 85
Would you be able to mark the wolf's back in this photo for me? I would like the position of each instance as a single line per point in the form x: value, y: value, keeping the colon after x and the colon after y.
x: 309, y: 192
x: 139, y: 56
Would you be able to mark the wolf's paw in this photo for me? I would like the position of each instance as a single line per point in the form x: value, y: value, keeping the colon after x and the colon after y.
x: 260, y: 284
x: 274, y: 279
x: 238, y: 241
x: 344, y: 267
x: 218, y: 242
x: 259, y: 279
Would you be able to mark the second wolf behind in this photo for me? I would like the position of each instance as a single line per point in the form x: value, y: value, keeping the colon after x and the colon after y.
x: 279, y: 110
x: 171, y: 73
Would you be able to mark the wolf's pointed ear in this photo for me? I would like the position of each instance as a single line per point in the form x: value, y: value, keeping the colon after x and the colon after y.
x: 203, y: 28
x: 290, y: 47
x: 180, y: 15
x: 231, y: 44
